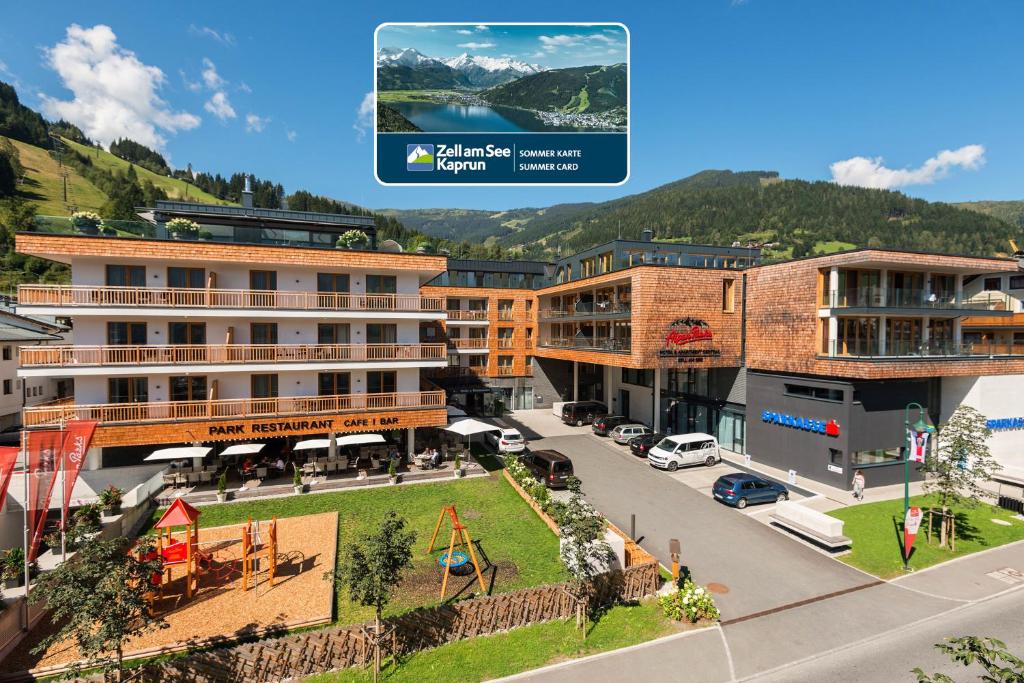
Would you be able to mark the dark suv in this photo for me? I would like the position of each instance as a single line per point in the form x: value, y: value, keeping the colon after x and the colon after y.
x: 580, y: 413
x: 640, y: 445
x: 550, y: 467
x: 604, y: 424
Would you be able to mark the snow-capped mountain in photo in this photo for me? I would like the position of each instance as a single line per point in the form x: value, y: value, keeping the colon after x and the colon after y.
x: 407, y: 67
x: 484, y: 72
x: 399, y: 56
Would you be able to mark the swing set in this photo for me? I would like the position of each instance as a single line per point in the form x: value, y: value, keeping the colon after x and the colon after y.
x: 454, y: 558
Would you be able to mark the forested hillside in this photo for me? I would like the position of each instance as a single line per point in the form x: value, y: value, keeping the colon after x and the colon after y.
x: 1010, y: 211
x: 589, y: 89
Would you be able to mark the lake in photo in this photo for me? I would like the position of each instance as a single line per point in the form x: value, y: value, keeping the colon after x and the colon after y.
x: 444, y: 117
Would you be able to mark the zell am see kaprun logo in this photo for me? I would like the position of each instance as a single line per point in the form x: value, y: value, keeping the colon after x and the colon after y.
x: 453, y: 158
x: 419, y: 157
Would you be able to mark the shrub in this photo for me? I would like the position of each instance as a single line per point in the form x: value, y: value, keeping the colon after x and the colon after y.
x: 111, y: 497
x: 85, y: 219
x: 87, y: 519
x: 12, y: 565
x: 392, y: 469
x: 183, y: 226
x: 296, y: 475
x: 353, y: 239
x: 222, y: 482
x: 689, y: 602
x: 205, y: 235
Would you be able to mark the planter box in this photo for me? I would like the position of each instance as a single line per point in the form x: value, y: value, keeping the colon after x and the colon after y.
x: 532, y: 503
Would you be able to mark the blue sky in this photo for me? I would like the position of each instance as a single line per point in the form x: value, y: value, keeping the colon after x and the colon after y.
x: 807, y: 88
x: 551, y: 46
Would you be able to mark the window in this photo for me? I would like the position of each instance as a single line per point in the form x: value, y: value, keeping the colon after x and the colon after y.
x: 729, y: 296
x: 587, y: 267
x: 381, y: 284
x: 262, y: 333
x: 529, y: 335
x: 605, y: 262
x: 876, y: 455
x: 451, y: 305
x: 993, y: 284
x: 478, y: 360
x: 505, y: 362
x: 334, y: 383
x: 186, y: 278
x: 529, y: 362
x: 332, y: 333
x: 478, y: 304
x: 835, y: 457
x: 381, y: 382
x: 381, y: 333
x: 820, y: 393
x: 128, y: 389
x: 264, y: 386
x: 505, y: 309
x: 1017, y: 282
x: 332, y: 282
x: 126, y: 276
x: 529, y: 305
x: 642, y: 378
x: 263, y: 279
x: 191, y: 388
x: 8, y: 353
x: 186, y: 333
x: 7, y: 387
x: 505, y: 340
x: 126, y: 333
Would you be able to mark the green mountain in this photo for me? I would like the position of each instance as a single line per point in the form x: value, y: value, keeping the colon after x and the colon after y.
x: 1011, y: 211
x: 427, y: 76
x: 590, y: 89
x: 474, y: 225
x: 390, y: 121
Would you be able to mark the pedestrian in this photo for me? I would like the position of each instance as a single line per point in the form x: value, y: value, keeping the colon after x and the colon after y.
x: 858, y: 485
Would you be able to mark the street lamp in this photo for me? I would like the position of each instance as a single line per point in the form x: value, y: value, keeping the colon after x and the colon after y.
x: 922, y: 426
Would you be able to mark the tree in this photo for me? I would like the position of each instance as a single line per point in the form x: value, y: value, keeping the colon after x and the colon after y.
x: 371, y: 569
x: 959, y: 461
x: 584, y: 551
x: 98, y: 599
x: 990, y: 654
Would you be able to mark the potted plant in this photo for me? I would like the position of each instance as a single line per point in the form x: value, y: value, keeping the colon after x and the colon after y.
x: 110, y: 499
x: 86, y: 222
x: 222, y: 487
x: 296, y: 479
x: 12, y: 567
x: 108, y: 231
x: 205, y: 235
x: 87, y: 519
x: 352, y: 239
x: 392, y: 472
x: 183, y: 229
x: 458, y: 465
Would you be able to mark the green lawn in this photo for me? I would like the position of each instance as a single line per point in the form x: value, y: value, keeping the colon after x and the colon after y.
x: 876, y: 541
x: 44, y: 184
x: 519, y: 650
x: 512, y: 536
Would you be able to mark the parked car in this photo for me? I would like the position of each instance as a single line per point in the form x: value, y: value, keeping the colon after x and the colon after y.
x: 640, y: 445
x: 550, y: 467
x: 506, y: 440
x: 623, y: 433
x: 604, y: 424
x: 739, y: 489
x: 580, y: 413
x: 679, y: 450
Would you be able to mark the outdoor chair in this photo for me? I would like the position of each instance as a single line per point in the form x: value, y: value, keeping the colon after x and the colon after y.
x: 205, y: 477
x: 192, y: 478
x: 261, y: 473
x: 331, y: 466
x: 170, y: 480
x: 309, y: 468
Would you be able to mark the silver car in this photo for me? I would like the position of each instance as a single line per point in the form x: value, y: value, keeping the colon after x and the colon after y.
x: 623, y: 433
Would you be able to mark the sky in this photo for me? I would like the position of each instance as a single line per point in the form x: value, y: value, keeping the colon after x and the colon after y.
x: 550, y: 46
x: 925, y: 97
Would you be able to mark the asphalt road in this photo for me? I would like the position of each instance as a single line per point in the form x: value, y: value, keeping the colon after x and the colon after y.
x: 762, y: 569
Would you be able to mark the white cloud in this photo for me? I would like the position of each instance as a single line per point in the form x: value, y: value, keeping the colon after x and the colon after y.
x: 192, y: 86
x: 482, y: 27
x: 865, y: 172
x: 364, y: 117
x: 255, y: 123
x: 553, y: 43
x: 115, y: 94
x: 224, y: 38
x: 220, y: 106
x: 291, y: 135
x: 477, y: 46
x: 210, y: 76
x: 464, y: 31
x: 244, y: 87
x: 539, y: 54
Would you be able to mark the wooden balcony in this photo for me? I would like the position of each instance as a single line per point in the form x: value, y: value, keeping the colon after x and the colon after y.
x: 506, y: 343
x: 189, y: 354
x: 168, y: 297
x: 467, y: 315
x: 469, y: 343
x: 505, y: 371
x: 232, y: 408
x: 457, y: 371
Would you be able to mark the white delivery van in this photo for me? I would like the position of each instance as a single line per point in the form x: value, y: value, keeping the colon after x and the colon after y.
x: 680, y: 450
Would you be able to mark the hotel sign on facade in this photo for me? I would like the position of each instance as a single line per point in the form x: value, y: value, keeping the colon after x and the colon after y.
x: 689, y: 340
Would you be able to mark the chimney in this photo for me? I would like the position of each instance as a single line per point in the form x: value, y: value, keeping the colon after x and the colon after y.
x: 647, y: 235
x: 247, y: 194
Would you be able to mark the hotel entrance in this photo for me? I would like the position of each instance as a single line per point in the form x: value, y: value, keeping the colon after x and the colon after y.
x: 726, y: 422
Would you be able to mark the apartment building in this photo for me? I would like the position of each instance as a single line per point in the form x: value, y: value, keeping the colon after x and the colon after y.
x: 263, y: 332
x: 18, y: 333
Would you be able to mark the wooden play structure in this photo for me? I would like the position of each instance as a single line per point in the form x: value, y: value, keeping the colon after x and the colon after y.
x: 449, y: 560
x: 255, y: 549
x: 183, y: 552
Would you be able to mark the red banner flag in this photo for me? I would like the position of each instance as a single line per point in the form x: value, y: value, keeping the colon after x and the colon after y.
x: 8, y: 457
x: 911, y: 523
x: 76, y: 443
x: 44, y: 448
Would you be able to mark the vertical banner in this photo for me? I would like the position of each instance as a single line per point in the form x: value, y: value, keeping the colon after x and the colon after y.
x: 8, y: 458
x: 76, y: 443
x: 911, y: 524
x: 918, y: 445
x: 43, y: 458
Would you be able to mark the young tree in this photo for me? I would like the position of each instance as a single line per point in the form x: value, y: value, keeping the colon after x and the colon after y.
x: 584, y: 551
x: 959, y: 462
x: 98, y: 599
x: 370, y: 570
x: 990, y: 654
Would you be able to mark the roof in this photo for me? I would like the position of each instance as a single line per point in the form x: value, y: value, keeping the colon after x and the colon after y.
x: 12, y: 333
x: 284, y: 215
x: 179, y: 514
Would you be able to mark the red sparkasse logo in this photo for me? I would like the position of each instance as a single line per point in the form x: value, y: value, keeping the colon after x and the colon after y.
x: 686, y: 331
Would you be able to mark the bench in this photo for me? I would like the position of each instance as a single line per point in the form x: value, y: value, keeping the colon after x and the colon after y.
x: 811, y: 524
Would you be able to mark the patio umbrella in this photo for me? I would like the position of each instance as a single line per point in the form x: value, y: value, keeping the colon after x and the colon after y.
x: 243, y: 449
x: 179, y: 453
x: 312, y: 444
x: 359, y: 439
x: 468, y: 428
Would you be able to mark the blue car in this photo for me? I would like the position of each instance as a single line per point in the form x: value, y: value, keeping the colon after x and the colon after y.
x: 739, y: 489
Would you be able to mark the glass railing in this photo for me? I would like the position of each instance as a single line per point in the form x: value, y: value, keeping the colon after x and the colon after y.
x: 930, y: 349
x: 875, y: 297
x: 587, y: 343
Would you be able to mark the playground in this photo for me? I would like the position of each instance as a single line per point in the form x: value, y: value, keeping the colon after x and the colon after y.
x: 221, y: 606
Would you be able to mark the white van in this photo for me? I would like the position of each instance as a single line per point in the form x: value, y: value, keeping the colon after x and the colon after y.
x: 673, y: 452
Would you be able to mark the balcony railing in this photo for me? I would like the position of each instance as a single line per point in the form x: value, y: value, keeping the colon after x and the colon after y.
x: 184, y: 354
x: 505, y: 371
x: 587, y: 343
x: 506, y: 343
x: 601, y: 308
x: 232, y: 408
x: 170, y: 297
x: 457, y: 371
x: 931, y: 349
x: 874, y: 297
x: 467, y: 315
x: 469, y: 343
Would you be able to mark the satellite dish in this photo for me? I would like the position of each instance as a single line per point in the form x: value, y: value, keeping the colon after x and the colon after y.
x: 392, y: 246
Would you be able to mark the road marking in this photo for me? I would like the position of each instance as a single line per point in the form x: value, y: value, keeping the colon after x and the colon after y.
x: 1007, y: 575
x: 728, y: 653
x: 801, y: 603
